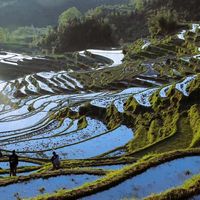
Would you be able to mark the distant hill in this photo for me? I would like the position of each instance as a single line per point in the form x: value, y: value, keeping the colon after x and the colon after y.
x: 42, y: 12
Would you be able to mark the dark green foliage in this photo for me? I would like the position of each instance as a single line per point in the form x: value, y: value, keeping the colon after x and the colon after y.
x: 101, y: 27
x: 90, y: 33
x: 163, y: 22
x: 187, y: 10
x: 77, y: 32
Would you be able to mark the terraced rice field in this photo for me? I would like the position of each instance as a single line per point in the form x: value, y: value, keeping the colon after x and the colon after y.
x: 154, y: 180
x: 39, y: 186
x: 127, y: 124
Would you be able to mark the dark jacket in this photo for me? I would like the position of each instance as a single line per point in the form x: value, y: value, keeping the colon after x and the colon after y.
x: 13, y: 160
x: 54, y: 157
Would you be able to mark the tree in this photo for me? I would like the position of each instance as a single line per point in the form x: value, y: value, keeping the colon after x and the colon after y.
x: 163, y: 22
x: 85, y: 34
x: 138, y: 4
x: 68, y: 16
x: 3, y: 34
x: 96, y: 13
x: 49, y: 39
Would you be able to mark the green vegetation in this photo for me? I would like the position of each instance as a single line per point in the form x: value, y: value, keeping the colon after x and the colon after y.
x: 194, y: 114
x: 113, y: 117
x: 123, y: 22
x: 168, y: 119
x: 163, y: 22
x: 67, y: 16
x: 138, y: 4
x: 118, y: 24
x: 21, y: 35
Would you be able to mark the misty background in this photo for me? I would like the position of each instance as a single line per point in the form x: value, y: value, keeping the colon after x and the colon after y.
x: 14, y: 13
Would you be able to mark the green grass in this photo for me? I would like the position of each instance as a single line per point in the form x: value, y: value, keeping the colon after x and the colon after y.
x: 194, y: 115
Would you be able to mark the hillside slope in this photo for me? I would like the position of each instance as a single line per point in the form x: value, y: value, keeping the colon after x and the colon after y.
x: 42, y: 12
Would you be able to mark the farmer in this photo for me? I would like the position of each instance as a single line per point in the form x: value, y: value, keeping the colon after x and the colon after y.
x: 1, y: 154
x: 13, y: 160
x: 55, y: 161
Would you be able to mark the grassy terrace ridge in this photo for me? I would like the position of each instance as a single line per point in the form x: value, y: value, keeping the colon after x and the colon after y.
x: 165, y: 144
x: 21, y: 170
x: 11, y: 180
x: 177, y: 126
x: 116, y: 177
x: 71, y: 164
x: 38, y: 161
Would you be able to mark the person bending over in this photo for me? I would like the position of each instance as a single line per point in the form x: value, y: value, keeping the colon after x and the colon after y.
x: 55, y: 160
